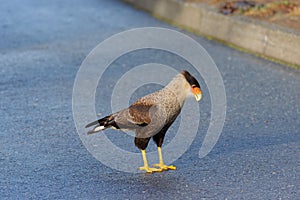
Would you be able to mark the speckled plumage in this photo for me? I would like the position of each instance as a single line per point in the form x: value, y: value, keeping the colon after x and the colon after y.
x: 151, y: 115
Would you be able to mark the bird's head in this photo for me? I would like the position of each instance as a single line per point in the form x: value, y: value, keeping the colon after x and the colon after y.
x: 192, y: 85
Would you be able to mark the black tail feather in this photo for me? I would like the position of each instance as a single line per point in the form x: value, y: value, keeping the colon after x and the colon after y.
x: 101, y: 124
x: 97, y: 122
x: 94, y: 130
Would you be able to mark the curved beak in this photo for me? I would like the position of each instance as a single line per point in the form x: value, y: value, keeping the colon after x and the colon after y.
x: 198, y: 97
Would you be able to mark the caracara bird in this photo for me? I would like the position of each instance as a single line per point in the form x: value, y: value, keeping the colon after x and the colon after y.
x: 152, y: 115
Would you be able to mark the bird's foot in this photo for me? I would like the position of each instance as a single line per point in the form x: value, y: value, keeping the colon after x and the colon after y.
x: 164, y: 167
x: 150, y: 169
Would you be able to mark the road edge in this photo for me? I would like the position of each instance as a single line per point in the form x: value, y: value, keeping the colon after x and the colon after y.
x: 252, y: 36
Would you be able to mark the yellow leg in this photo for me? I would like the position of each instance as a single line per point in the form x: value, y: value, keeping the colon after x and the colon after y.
x: 161, y: 163
x: 146, y: 166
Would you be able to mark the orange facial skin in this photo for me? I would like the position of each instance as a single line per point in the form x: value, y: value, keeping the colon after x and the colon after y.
x: 196, y: 90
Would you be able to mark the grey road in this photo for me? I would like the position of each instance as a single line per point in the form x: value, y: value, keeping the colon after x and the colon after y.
x: 43, y: 44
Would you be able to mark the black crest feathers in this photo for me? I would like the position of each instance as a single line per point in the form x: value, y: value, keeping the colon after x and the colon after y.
x: 190, y: 79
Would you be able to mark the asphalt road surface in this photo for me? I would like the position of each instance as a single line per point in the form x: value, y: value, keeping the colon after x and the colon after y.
x: 43, y: 44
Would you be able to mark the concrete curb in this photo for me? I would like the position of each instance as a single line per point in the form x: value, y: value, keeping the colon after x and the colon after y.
x: 261, y: 38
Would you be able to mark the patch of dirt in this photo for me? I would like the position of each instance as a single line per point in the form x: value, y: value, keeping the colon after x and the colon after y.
x: 282, y: 12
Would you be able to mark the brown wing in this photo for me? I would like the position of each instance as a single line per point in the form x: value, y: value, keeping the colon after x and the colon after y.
x: 144, y: 118
x: 150, y: 119
x: 140, y: 114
